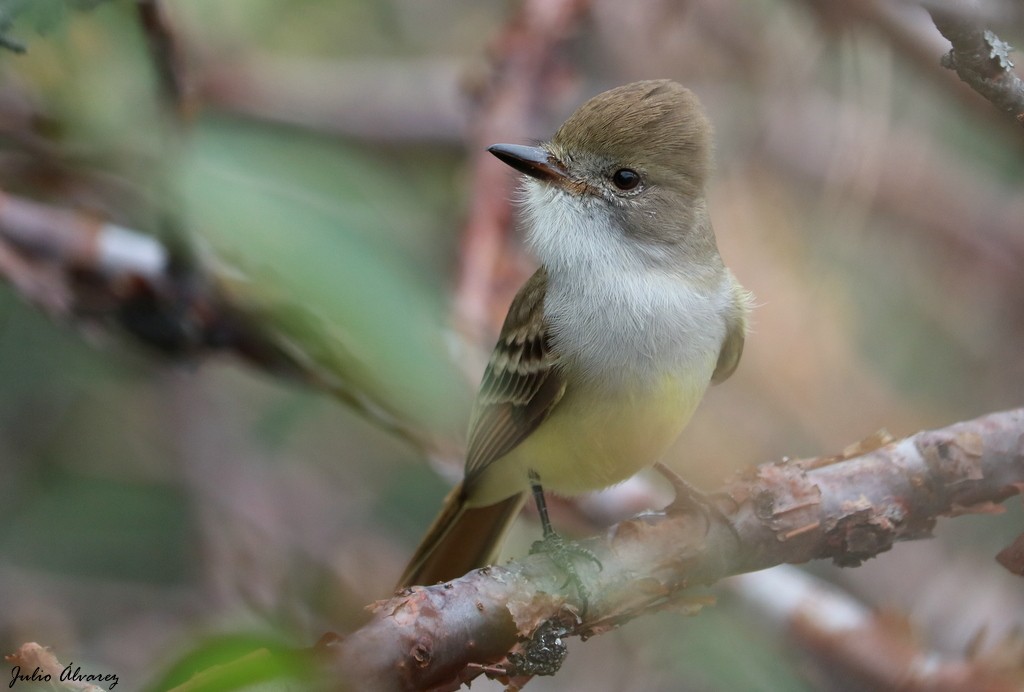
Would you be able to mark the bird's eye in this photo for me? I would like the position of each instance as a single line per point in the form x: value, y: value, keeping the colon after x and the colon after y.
x: 625, y: 179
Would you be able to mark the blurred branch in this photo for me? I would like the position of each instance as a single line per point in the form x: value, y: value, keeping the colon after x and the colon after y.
x: 47, y: 290
x: 522, y: 70
x: 908, y: 31
x: 38, y: 664
x: 79, y: 267
x: 1012, y: 556
x: 982, y: 60
x: 854, y: 644
x: 846, y: 508
x: 975, y: 218
x: 396, y: 100
x: 376, y: 99
x: 78, y: 240
x: 165, y: 55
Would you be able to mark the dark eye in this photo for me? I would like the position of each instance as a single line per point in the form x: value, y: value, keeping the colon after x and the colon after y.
x: 625, y: 179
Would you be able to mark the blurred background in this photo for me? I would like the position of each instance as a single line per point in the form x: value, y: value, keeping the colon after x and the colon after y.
x: 325, y: 160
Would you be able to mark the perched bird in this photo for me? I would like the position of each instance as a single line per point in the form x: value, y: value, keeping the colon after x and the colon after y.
x: 608, y: 348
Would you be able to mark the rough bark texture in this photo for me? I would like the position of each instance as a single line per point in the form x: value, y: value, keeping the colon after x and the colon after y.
x: 847, y: 508
x: 982, y: 60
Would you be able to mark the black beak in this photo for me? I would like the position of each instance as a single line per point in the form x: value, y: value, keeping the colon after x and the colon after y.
x: 532, y: 161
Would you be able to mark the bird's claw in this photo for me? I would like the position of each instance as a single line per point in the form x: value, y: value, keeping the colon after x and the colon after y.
x: 563, y: 553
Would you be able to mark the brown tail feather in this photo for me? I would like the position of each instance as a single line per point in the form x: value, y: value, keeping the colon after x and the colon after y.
x: 460, y: 539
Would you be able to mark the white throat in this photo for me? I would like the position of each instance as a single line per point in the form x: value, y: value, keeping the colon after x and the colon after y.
x: 617, y: 313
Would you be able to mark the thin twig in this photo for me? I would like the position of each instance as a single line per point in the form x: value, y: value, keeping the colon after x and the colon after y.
x: 165, y: 55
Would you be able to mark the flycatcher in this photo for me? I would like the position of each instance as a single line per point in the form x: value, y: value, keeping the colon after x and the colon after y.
x: 608, y: 348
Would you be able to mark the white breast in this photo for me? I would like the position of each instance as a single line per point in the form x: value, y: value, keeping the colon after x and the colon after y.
x: 615, y: 313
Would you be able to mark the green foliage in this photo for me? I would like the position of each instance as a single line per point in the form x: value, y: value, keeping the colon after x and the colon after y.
x: 237, y: 662
x: 43, y: 15
x: 310, y: 226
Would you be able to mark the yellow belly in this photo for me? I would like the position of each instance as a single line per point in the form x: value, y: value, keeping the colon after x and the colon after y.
x: 595, y: 438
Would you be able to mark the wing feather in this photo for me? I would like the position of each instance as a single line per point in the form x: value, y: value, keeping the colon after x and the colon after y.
x: 522, y: 383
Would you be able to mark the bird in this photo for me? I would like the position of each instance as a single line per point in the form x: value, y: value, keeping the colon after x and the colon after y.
x: 608, y: 348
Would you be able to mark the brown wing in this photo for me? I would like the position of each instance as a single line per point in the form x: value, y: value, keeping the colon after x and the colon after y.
x: 735, y: 334
x: 521, y: 384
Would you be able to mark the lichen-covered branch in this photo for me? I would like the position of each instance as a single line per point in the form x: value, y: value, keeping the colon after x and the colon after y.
x: 844, y: 508
x: 982, y: 60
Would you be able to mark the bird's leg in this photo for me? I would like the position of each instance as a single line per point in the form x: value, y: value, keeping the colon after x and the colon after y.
x: 542, y: 505
x: 689, y: 499
x: 557, y: 548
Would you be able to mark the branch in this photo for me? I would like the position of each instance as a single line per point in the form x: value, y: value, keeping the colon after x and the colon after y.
x: 80, y: 268
x: 982, y: 60
x: 853, y: 643
x: 166, y: 56
x: 979, y: 221
x: 522, y: 72
x: 35, y: 663
x: 373, y: 99
x: 845, y: 508
x: 914, y: 37
x: 75, y: 239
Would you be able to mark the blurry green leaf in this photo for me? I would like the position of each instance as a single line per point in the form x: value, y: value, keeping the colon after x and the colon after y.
x: 46, y: 14
x: 308, y: 222
x: 43, y: 15
x: 93, y: 79
x: 238, y: 662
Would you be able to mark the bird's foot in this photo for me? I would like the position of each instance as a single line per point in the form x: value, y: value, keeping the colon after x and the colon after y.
x: 564, y: 553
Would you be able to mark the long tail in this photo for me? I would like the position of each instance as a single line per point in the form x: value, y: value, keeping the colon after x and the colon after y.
x: 460, y: 539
